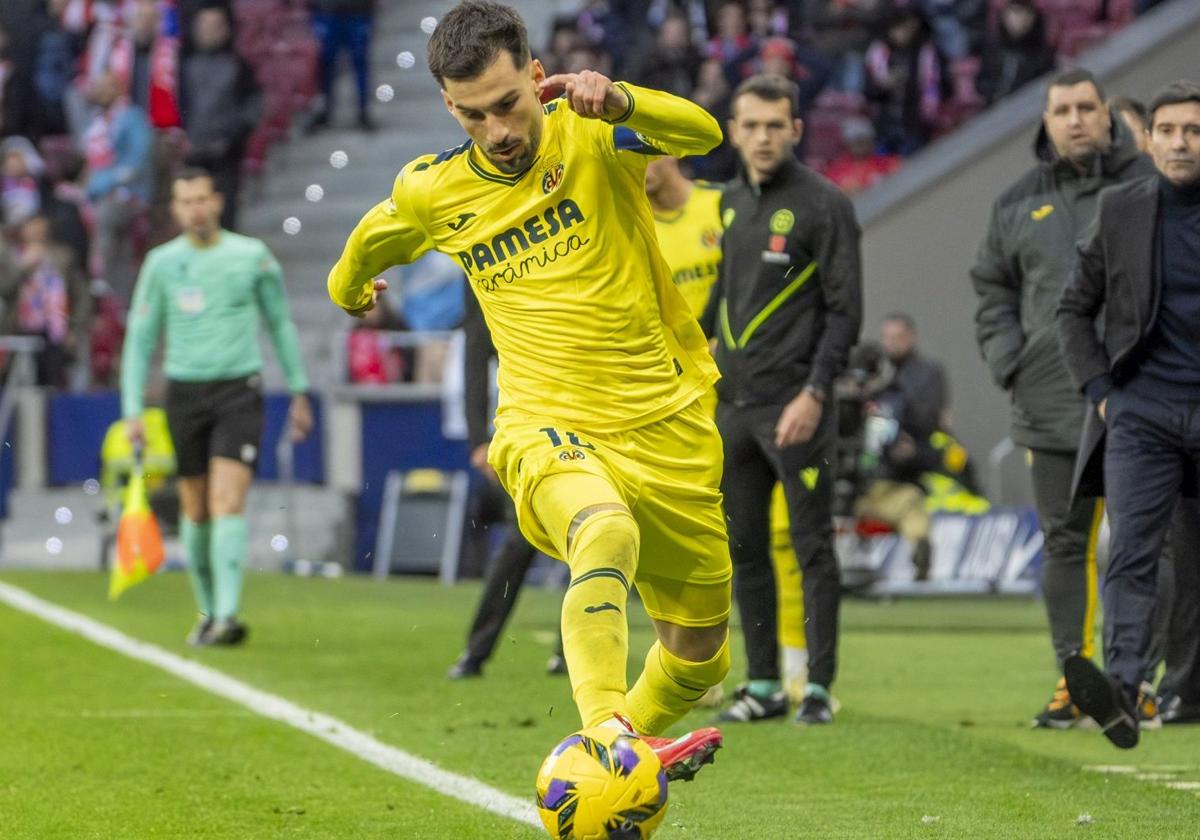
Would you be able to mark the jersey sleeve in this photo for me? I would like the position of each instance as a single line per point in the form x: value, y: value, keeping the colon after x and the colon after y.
x: 272, y: 302
x: 389, y: 234
x: 662, y: 123
x: 141, y: 335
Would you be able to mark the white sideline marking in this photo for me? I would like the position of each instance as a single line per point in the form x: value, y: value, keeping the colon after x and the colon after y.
x: 328, y: 729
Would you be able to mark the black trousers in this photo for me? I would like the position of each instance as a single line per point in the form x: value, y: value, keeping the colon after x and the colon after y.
x: 753, y: 464
x: 1179, y: 605
x: 1070, y: 550
x: 1152, y: 444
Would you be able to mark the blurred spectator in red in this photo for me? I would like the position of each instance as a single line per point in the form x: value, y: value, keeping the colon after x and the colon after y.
x: 107, y: 336
x: 670, y: 62
x: 860, y: 166
x: 1017, y: 53
x: 221, y: 106
x: 47, y: 296
x: 957, y: 25
x: 372, y: 358
x: 147, y: 63
x: 118, y: 145
x: 781, y: 56
x: 732, y: 38
x: 344, y: 25
x: 21, y: 184
x: 842, y: 30
x: 904, y: 81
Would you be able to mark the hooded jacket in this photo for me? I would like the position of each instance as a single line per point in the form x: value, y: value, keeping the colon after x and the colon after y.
x: 1019, y: 275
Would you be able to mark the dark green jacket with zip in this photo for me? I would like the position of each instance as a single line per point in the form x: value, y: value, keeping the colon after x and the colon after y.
x: 787, y: 305
x: 1019, y: 275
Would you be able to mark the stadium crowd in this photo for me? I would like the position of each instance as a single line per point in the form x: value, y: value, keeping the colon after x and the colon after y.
x: 99, y: 101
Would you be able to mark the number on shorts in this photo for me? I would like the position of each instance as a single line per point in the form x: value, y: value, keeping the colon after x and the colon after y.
x: 572, y: 438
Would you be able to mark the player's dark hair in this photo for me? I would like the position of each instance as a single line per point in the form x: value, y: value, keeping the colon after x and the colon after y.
x: 769, y: 88
x: 469, y: 37
x: 901, y: 318
x: 191, y: 173
x: 1175, y: 93
x: 1129, y: 105
x: 1074, y: 76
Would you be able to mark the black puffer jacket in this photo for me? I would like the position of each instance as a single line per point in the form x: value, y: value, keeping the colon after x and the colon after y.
x: 1022, y: 267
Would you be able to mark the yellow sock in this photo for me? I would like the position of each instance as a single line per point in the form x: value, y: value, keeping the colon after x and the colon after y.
x: 669, y: 686
x: 603, y: 556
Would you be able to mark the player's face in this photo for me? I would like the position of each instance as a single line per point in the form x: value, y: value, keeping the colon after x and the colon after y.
x: 1077, y: 122
x: 196, y: 207
x: 764, y: 133
x: 500, y: 111
x: 897, y: 339
x: 658, y: 173
x: 1175, y: 142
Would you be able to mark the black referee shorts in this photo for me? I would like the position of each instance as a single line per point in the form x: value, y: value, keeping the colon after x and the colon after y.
x: 222, y: 419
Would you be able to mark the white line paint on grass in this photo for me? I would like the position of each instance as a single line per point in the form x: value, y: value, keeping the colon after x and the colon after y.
x: 328, y: 729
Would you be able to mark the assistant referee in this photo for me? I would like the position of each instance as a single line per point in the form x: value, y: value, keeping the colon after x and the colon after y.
x: 785, y: 312
x: 209, y: 289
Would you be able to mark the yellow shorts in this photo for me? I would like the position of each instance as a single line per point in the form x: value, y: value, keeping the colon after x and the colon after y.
x: 667, y: 474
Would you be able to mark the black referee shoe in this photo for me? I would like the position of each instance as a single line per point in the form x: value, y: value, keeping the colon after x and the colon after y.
x: 1101, y: 698
x: 749, y: 708
x: 225, y: 633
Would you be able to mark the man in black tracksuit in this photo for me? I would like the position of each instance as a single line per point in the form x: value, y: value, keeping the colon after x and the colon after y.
x: 511, y: 563
x: 1129, y: 321
x: 786, y: 309
x: 1019, y: 275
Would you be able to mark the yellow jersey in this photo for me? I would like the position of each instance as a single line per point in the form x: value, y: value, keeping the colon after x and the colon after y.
x: 588, y: 327
x: 690, y: 240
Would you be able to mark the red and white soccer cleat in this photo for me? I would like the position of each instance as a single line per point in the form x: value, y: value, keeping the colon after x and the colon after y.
x: 681, y: 757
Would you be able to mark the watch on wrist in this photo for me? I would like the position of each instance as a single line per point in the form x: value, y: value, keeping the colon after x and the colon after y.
x: 817, y: 392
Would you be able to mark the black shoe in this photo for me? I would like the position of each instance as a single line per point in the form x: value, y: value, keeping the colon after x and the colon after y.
x: 748, y: 708
x: 1059, y: 712
x: 556, y: 665
x: 814, y: 711
x: 1176, y: 711
x: 226, y: 632
x: 196, y: 637
x: 1102, y: 698
x: 464, y: 669
x: 318, y: 121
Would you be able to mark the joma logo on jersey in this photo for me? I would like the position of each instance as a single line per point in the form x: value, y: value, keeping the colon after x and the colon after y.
x: 517, y: 240
x: 552, y: 178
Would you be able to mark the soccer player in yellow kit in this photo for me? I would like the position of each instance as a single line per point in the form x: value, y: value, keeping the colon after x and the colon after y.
x: 687, y: 219
x: 613, y: 464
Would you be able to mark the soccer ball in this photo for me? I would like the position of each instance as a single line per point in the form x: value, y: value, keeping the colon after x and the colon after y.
x: 601, y: 784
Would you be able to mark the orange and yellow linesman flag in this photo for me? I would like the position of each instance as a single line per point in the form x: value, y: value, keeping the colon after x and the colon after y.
x: 139, y: 542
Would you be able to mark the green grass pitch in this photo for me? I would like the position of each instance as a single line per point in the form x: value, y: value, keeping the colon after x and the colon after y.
x: 932, y: 741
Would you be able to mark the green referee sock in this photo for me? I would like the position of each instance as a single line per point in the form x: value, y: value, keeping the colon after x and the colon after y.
x: 230, y: 535
x: 195, y: 539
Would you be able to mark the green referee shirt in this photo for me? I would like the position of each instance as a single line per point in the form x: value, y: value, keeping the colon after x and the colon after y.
x: 209, y: 300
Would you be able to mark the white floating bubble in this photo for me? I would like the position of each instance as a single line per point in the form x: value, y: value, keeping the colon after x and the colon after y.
x: 91, y: 487
x: 405, y: 60
x: 63, y: 516
x: 279, y: 543
x: 385, y: 93
x: 291, y: 225
x: 428, y: 24
x: 54, y: 545
x: 314, y: 192
x: 339, y: 159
